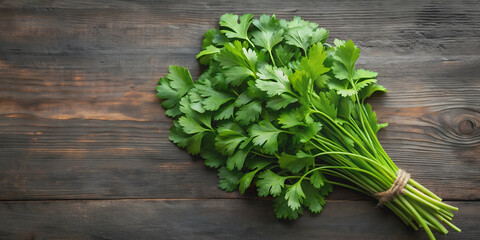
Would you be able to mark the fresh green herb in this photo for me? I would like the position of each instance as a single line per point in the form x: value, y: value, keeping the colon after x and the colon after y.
x: 281, y: 109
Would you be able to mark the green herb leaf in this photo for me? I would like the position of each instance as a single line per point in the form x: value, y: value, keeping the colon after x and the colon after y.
x: 269, y: 183
x: 294, y: 163
x: 265, y: 134
x: 236, y: 29
x: 228, y: 179
x: 283, y: 210
x: 295, y: 195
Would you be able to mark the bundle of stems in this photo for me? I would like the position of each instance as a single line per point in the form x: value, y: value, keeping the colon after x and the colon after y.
x: 369, y: 170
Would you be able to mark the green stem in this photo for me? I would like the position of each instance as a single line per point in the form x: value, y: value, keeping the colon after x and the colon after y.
x: 271, y: 57
x: 362, y: 157
x: 429, y: 199
x: 420, y: 200
x: 346, y: 186
x: 419, y: 219
x: 262, y: 155
x: 248, y: 40
x: 424, y: 189
x: 343, y: 130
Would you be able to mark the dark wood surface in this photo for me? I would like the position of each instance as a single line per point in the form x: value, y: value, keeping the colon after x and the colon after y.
x: 84, y: 150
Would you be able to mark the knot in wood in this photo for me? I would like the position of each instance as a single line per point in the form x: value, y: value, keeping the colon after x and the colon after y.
x: 467, y: 127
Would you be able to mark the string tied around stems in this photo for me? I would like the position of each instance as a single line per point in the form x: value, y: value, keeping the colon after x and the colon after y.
x: 398, y: 187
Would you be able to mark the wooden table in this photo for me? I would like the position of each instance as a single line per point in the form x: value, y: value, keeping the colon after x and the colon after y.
x: 84, y: 149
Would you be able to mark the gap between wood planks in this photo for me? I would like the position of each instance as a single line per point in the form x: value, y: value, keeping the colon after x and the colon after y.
x: 194, y: 199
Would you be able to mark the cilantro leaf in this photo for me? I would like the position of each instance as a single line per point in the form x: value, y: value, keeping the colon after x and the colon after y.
x: 248, y: 113
x: 227, y: 140
x: 270, y: 33
x: 169, y: 96
x: 282, y: 210
x: 191, y: 142
x: 247, y: 178
x: 257, y: 163
x: 319, y: 35
x: 177, y: 135
x: 225, y: 112
x: 295, y: 195
x: 213, y: 99
x: 237, y: 159
x: 363, y: 83
x: 213, y: 158
x: 303, y: 34
x: 347, y: 54
x: 313, y: 63
x: 208, y: 38
x: 242, y: 99
x: 269, y: 183
x: 207, y: 55
x: 213, y: 37
x: 313, y: 198
x: 362, y: 73
x: 281, y: 101
x: 279, y: 85
x: 194, y: 101
x: 317, y: 179
x: 289, y: 119
x: 301, y: 82
x: 294, y: 163
x: 308, y: 131
x: 372, y: 118
x: 299, y: 37
x: 235, y: 54
x: 187, y: 108
x: 180, y: 79
x: 236, y: 75
x: 236, y: 29
x: 326, y: 102
x: 283, y: 54
x: 228, y: 179
x: 194, y: 143
x: 343, y: 68
x: 369, y: 90
x: 299, y: 22
x: 173, y: 87
x: 265, y: 134
x: 190, y: 126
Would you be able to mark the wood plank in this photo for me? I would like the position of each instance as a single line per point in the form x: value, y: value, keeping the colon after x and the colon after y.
x: 45, y: 158
x: 211, y: 219
x: 405, y: 27
x: 90, y: 93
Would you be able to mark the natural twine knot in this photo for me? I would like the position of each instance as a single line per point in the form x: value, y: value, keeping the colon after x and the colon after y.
x: 398, y: 187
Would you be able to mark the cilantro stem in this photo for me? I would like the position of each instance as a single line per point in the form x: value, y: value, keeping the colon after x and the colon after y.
x: 271, y: 57
x: 262, y: 155
x: 347, y: 186
x: 331, y: 121
x: 359, y: 156
x: 248, y: 40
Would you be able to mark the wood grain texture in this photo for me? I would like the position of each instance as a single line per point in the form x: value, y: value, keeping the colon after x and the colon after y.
x: 211, y: 219
x: 79, y: 118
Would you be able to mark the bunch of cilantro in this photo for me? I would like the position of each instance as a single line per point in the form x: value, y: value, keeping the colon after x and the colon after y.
x: 280, y: 109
